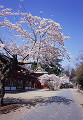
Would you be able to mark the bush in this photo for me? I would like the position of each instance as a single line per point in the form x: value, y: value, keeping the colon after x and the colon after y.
x: 80, y: 80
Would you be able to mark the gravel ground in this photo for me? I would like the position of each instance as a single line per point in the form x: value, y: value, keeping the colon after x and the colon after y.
x: 79, y: 96
x: 31, y: 99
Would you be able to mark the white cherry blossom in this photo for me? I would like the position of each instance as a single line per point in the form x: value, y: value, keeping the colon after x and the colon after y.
x: 43, y: 38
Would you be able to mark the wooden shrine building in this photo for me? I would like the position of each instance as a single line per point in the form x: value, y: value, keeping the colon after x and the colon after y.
x: 37, y: 73
x: 20, y: 79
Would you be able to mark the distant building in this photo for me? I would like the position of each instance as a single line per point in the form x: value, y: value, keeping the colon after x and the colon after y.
x: 38, y: 72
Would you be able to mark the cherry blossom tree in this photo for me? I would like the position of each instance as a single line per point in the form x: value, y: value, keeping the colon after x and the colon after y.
x: 52, y: 81
x: 36, y: 38
x: 64, y: 79
x: 44, y: 79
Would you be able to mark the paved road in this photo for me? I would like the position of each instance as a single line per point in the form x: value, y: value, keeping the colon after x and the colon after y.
x: 60, y: 107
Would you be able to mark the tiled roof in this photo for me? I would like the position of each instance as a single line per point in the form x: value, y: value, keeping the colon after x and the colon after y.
x: 40, y: 70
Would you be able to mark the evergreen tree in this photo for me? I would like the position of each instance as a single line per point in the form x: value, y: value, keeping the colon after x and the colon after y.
x: 53, y: 69
x: 34, y: 65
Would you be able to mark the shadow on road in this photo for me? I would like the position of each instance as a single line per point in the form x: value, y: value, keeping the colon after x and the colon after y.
x: 59, y: 99
x: 10, y: 104
x: 37, y: 100
x: 25, y: 102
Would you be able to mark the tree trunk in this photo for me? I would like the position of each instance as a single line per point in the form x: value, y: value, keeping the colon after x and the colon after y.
x: 1, y: 101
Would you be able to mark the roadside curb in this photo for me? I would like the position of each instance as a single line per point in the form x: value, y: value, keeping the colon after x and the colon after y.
x: 80, y: 91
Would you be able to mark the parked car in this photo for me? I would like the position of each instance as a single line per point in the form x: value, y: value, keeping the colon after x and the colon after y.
x: 66, y: 85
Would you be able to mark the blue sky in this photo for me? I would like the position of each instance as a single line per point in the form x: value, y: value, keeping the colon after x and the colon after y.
x: 68, y: 13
